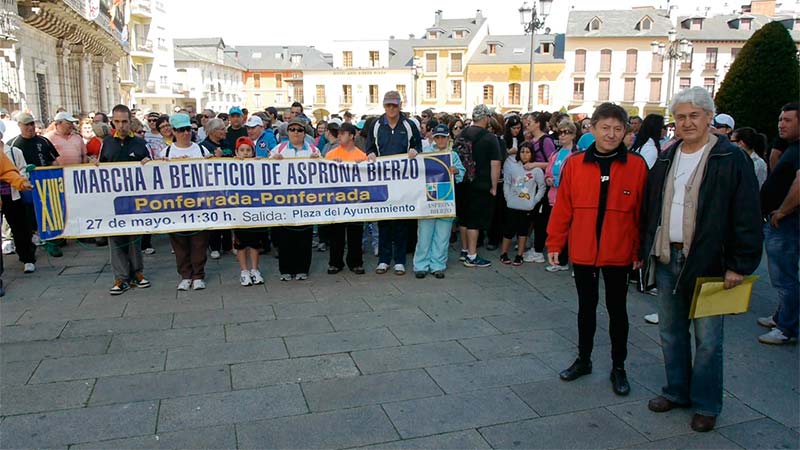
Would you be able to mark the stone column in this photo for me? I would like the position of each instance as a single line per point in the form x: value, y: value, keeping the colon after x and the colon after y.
x: 100, y: 82
x: 62, y: 53
x: 85, y: 82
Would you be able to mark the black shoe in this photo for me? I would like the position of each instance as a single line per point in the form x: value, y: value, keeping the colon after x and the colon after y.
x: 334, y: 270
x: 438, y: 274
x: 578, y: 369
x: 358, y: 270
x: 420, y: 275
x: 101, y: 241
x: 619, y: 382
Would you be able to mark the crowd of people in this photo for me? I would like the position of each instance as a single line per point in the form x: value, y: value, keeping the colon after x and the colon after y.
x: 634, y: 199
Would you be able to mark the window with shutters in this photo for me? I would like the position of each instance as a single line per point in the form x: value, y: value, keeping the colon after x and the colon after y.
x: 655, y: 89
x: 602, y: 93
x: 605, y: 60
x: 430, y: 62
x: 321, y: 94
x: 401, y: 89
x: 684, y: 83
x: 455, y: 89
x: 514, y: 93
x: 734, y: 54
x: 430, y: 89
x: 658, y: 64
x: 710, y: 85
x: 711, y: 58
x: 257, y: 80
x: 577, y: 89
x: 278, y: 80
x: 455, y: 62
x: 373, y: 94
x: 347, y: 59
x: 686, y: 62
x: 631, y: 59
x: 347, y: 94
x: 630, y: 89
x: 374, y: 58
x: 580, y: 60
x: 488, y: 94
x: 544, y: 94
x: 492, y: 49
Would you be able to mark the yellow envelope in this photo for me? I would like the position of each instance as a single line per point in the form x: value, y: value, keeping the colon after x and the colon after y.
x: 712, y: 299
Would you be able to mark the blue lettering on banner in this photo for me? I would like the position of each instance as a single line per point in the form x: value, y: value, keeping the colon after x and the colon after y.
x: 192, y: 201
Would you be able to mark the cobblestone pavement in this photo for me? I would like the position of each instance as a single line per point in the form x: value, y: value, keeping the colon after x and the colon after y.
x: 341, y: 361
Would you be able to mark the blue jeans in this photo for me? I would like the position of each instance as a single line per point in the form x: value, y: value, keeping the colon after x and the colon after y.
x: 701, y: 384
x: 433, y: 242
x: 392, y: 241
x: 783, y: 255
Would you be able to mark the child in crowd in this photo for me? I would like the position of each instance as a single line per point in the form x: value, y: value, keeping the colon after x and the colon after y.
x: 523, y: 189
x: 248, y: 241
x: 433, y: 235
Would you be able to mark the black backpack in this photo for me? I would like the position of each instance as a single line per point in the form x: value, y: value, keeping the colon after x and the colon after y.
x: 463, y: 147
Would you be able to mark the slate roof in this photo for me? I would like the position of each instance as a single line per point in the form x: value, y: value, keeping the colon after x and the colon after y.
x: 506, y: 53
x: 312, y: 59
x: 618, y: 23
x: 401, y: 53
x: 205, y: 50
x: 448, y: 26
x: 725, y: 28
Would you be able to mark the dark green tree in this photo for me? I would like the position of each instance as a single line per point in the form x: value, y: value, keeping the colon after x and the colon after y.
x: 764, y: 77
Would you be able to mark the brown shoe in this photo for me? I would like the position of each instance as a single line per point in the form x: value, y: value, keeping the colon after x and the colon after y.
x: 702, y: 424
x: 661, y: 404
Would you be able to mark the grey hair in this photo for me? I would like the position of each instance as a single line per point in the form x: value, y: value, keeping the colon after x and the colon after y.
x: 697, y: 96
x: 213, y: 125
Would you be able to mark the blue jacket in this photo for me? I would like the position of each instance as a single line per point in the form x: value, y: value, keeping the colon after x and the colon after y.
x: 382, y: 140
x: 265, y: 143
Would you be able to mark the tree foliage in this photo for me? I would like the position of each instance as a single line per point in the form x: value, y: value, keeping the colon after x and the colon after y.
x: 764, y: 77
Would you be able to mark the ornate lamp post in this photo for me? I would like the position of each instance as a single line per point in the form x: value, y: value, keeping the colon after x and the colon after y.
x: 532, y: 19
x: 674, y: 51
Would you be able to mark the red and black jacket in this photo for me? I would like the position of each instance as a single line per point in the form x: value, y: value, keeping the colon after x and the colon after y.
x: 575, y: 213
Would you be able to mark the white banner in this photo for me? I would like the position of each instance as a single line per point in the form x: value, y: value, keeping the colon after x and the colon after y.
x: 162, y: 197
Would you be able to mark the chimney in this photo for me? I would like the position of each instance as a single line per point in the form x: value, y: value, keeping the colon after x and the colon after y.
x: 411, y: 35
x: 391, y: 38
x: 437, y: 17
x: 478, y: 14
x: 285, y: 53
x: 673, y: 15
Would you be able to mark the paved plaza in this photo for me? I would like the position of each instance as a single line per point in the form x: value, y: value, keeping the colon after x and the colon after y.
x: 345, y: 361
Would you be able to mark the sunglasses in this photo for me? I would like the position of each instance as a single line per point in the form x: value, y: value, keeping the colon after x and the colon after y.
x: 391, y: 105
x: 152, y: 120
x: 139, y: 132
x: 183, y: 130
x: 296, y: 130
x: 564, y: 132
x: 458, y: 127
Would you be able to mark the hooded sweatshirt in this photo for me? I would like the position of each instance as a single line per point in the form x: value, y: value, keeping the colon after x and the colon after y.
x: 523, y: 189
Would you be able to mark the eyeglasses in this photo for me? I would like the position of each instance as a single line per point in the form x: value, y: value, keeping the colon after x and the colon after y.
x: 564, y: 132
x: 183, y: 130
x: 296, y: 130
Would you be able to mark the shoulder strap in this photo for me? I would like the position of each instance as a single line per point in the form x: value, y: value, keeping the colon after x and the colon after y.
x: 375, y: 135
x: 410, y: 132
x: 166, y: 152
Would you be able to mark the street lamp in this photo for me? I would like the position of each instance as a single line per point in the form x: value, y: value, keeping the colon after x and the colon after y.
x: 416, y: 70
x: 674, y: 51
x: 533, y: 20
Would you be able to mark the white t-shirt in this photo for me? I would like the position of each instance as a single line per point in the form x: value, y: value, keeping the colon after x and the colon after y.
x: 192, y: 151
x: 685, y: 165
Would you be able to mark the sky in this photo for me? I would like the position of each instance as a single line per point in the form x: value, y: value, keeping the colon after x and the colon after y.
x: 317, y: 22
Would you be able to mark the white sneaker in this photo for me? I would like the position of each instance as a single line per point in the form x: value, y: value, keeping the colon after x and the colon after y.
x: 234, y: 252
x: 198, y: 285
x: 29, y: 268
x: 399, y: 269
x: 286, y: 277
x: 533, y: 256
x: 557, y: 268
x: 149, y: 251
x: 244, y: 277
x: 9, y: 248
x: 184, y: 285
x: 301, y: 276
x: 651, y: 318
x: 255, y: 275
x: 215, y: 254
x: 382, y: 268
x: 776, y: 337
x: 653, y: 292
x: 766, y: 322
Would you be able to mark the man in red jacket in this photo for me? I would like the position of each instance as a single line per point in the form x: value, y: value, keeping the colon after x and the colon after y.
x: 597, y: 210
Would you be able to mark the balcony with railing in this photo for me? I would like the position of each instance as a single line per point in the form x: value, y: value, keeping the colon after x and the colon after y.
x: 142, y: 9
x: 142, y: 48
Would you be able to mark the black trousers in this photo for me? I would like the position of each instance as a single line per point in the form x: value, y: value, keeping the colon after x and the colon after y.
x: 616, y: 284
x: 295, y: 248
x: 540, y: 218
x: 16, y: 214
x: 352, y: 233
x: 499, y: 216
x: 220, y: 240
x: 147, y: 241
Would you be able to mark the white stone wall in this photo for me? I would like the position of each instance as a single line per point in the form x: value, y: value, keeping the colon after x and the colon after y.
x: 38, y: 55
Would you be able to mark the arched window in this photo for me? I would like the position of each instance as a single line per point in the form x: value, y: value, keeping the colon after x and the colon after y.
x: 514, y: 94
x: 594, y: 25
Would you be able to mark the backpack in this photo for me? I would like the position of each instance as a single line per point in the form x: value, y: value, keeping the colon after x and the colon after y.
x: 463, y: 147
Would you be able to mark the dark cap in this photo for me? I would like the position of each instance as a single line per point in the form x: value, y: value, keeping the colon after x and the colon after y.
x: 348, y: 128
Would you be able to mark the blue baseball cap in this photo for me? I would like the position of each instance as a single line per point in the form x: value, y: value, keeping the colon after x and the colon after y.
x: 441, y: 130
x: 235, y: 110
x: 180, y: 120
x: 361, y: 124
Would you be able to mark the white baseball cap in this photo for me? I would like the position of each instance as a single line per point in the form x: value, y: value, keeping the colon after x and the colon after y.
x: 724, y: 119
x: 63, y: 115
x: 254, y: 121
